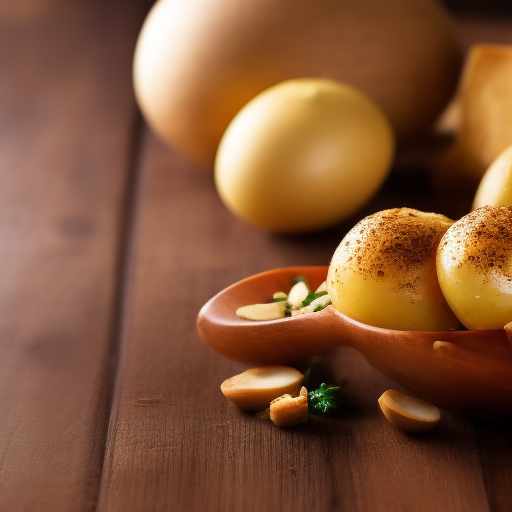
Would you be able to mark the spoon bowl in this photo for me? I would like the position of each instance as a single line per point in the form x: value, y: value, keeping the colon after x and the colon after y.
x: 469, y: 372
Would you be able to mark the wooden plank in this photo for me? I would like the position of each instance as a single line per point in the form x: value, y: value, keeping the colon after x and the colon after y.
x: 495, y: 449
x: 66, y: 120
x: 174, y: 437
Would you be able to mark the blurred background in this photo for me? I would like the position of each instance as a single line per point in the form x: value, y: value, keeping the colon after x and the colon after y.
x: 111, y: 240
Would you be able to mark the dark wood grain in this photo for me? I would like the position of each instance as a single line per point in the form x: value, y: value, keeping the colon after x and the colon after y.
x: 66, y: 122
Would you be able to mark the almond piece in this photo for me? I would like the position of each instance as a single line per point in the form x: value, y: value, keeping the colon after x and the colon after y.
x: 287, y: 410
x: 262, y: 312
x: 254, y: 389
x: 408, y: 413
x: 298, y: 292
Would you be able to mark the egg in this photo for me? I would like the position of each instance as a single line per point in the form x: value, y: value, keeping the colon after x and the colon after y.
x: 303, y: 155
x: 198, y: 62
x: 383, y: 273
x: 474, y: 267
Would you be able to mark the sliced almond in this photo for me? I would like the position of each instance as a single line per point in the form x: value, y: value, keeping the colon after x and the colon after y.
x: 299, y: 291
x: 408, y: 413
x: 287, y: 410
x: 270, y: 311
x: 254, y: 389
x: 322, y: 287
x: 280, y: 296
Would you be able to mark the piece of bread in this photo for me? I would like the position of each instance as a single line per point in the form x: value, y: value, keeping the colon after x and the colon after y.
x: 484, y: 111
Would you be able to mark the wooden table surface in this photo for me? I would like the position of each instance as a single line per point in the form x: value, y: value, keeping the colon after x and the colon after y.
x: 110, y: 242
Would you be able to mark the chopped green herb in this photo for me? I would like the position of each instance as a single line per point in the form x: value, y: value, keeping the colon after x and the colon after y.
x: 322, y: 306
x: 299, y: 300
x: 311, y: 297
x: 324, y: 399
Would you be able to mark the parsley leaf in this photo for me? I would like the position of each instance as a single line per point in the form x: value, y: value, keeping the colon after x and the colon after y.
x: 324, y: 399
x: 311, y: 297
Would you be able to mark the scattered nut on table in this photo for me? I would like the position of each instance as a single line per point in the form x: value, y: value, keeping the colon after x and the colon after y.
x: 408, y: 413
x: 254, y: 389
x: 287, y: 410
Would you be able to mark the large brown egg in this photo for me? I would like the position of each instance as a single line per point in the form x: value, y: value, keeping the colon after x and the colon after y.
x: 198, y: 62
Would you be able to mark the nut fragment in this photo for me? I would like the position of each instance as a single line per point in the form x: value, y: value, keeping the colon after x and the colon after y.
x: 408, y: 413
x: 254, y: 389
x: 298, y: 293
x: 278, y: 296
x: 287, y: 410
x: 262, y: 312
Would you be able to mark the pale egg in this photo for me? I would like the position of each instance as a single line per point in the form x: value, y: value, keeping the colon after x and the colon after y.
x: 303, y: 155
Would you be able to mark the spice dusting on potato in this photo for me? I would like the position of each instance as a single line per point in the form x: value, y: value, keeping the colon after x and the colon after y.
x: 383, y: 273
x: 474, y: 267
x: 395, y: 242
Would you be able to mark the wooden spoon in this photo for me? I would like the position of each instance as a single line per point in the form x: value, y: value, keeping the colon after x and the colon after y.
x: 469, y: 372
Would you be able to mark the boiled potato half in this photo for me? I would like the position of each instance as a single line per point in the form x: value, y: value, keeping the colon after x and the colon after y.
x: 383, y: 273
x: 474, y: 267
x: 303, y: 155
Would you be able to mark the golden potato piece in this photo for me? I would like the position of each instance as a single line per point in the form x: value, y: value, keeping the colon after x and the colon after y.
x: 383, y: 273
x: 474, y: 267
